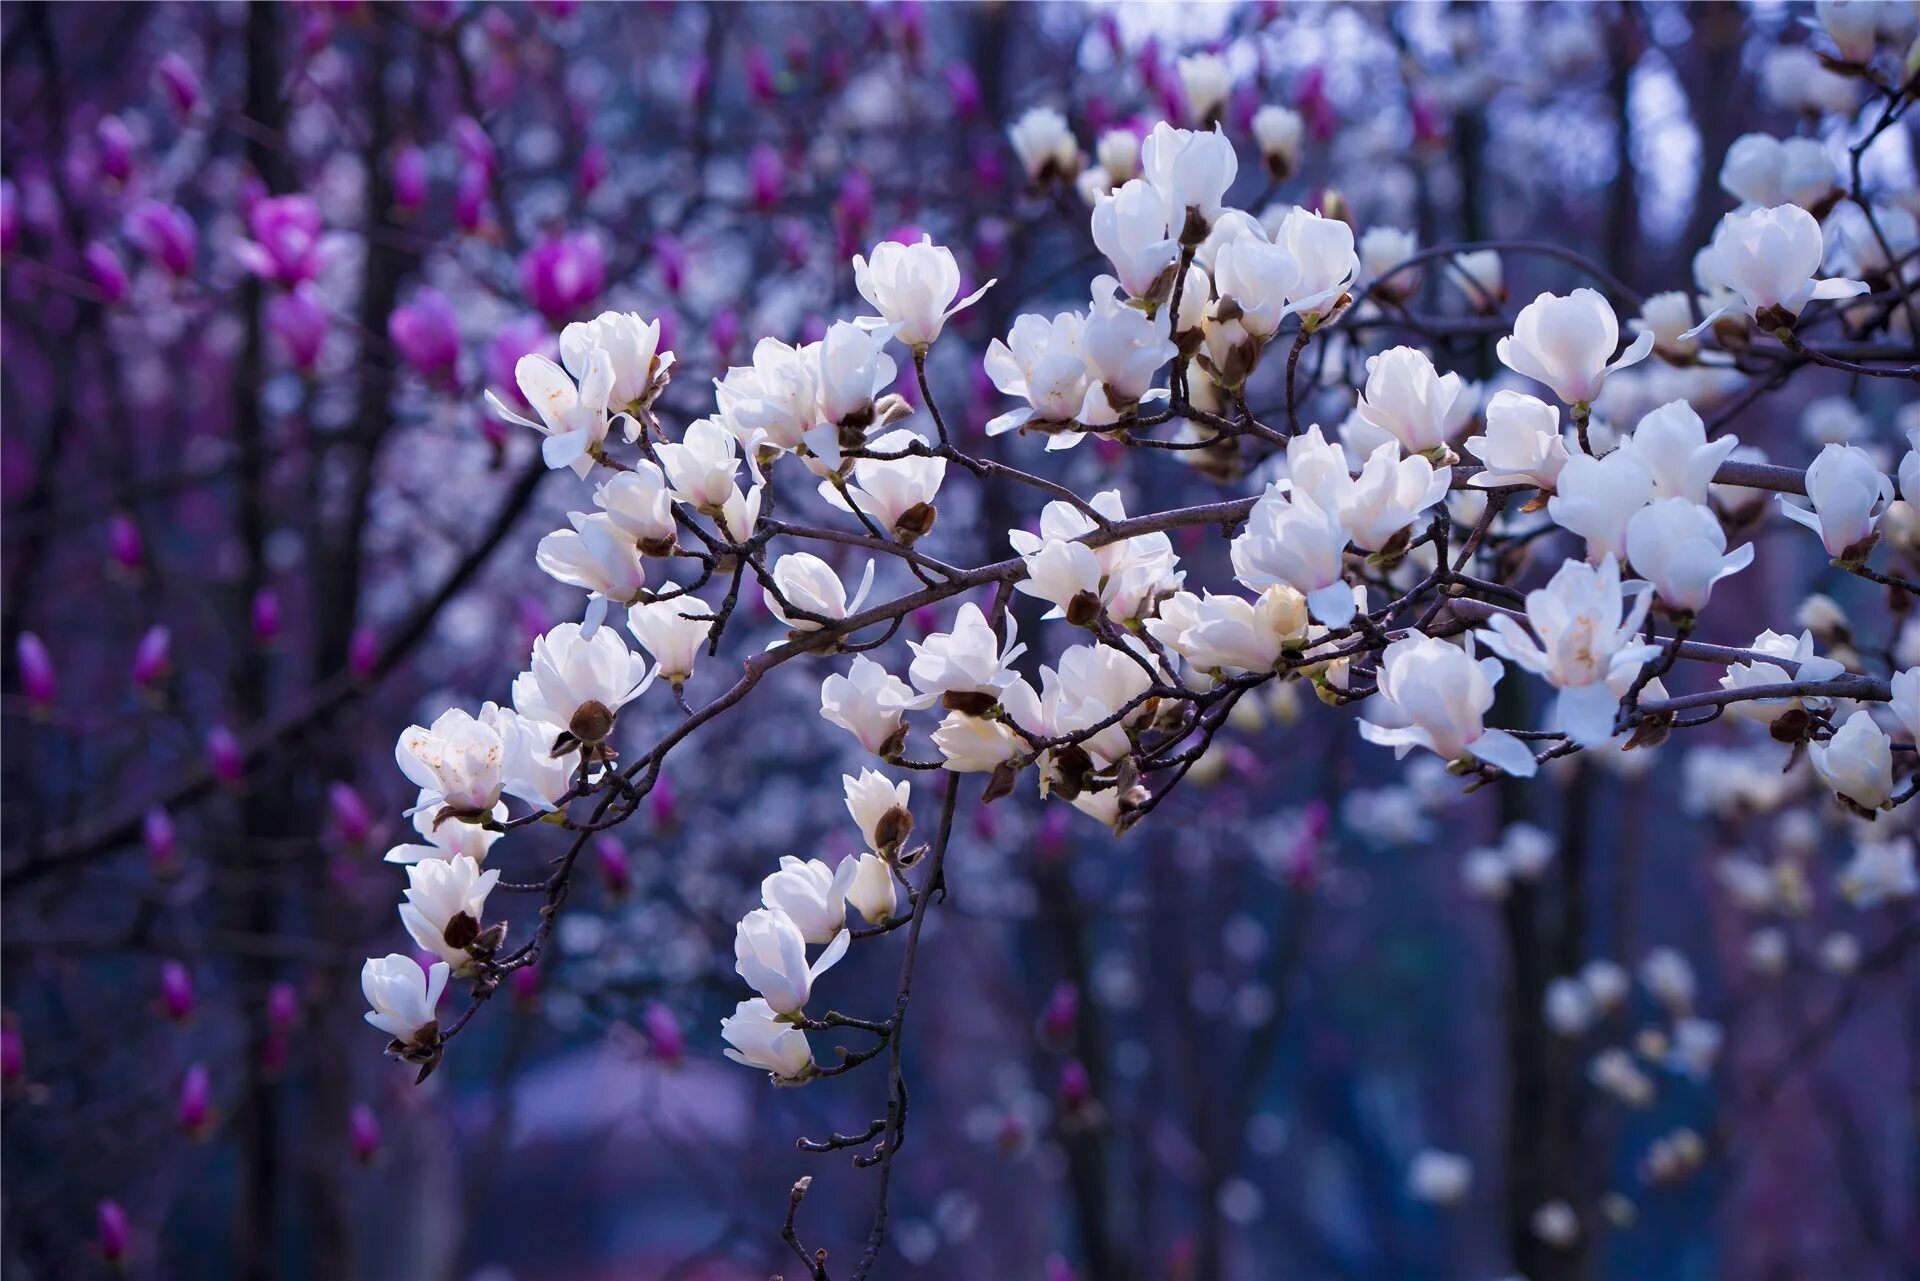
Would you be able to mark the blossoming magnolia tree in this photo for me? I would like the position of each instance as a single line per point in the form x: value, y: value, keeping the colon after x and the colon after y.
x: 1404, y: 564
x: 931, y: 721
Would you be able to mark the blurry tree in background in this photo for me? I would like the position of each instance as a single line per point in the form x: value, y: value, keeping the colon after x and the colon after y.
x: 1316, y: 1016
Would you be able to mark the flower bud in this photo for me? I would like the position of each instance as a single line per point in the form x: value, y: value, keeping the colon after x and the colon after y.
x: 179, y: 82
x: 157, y: 833
x: 13, y: 1053
x: 115, y: 1238
x: 664, y: 1037
x: 265, y: 615
x: 363, y: 1134
x: 224, y: 756
x: 614, y: 870
x: 363, y: 652
x: 176, y: 991
x: 196, y: 1102
x: 37, y: 681
x: 153, y: 657
x: 106, y: 273
x: 124, y: 547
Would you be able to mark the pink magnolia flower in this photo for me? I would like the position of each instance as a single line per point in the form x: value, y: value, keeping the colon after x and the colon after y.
x: 286, y: 244
x: 562, y: 274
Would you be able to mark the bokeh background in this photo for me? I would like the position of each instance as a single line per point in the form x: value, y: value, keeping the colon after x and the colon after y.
x: 257, y: 519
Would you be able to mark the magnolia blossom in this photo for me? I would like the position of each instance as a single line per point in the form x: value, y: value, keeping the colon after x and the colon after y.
x: 1124, y: 348
x: 1583, y: 643
x: 632, y: 346
x: 672, y: 628
x: 807, y: 584
x: 1204, y: 83
x: 1567, y: 342
x: 1671, y: 443
x: 868, y: 703
x: 1597, y: 497
x: 1118, y: 151
x: 1857, y: 762
x: 896, y: 493
x: 1807, y: 666
x: 1258, y: 279
x: 1439, y: 1178
x: 1299, y: 544
x: 1381, y: 250
x: 534, y: 774
x: 966, y: 668
x: 1409, y: 399
x: 775, y: 400
x: 1481, y: 277
x: 701, y: 466
x: 1849, y: 494
x: 639, y: 504
x: 813, y: 895
x: 579, y: 681
x: 913, y: 288
x: 1680, y: 547
x: 1522, y: 444
x: 445, y: 901
x: 1762, y: 171
x: 879, y: 807
x: 1879, y: 872
x: 1130, y: 228
x: 1045, y: 144
x: 758, y: 1038
x: 871, y: 889
x: 1041, y: 363
x: 596, y: 555
x: 1905, y: 704
x: 975, y: 744
x: 403, y: 996
x: 1668, y: 316
x: 1388, y: 494
x: 457, y: 763
x: 1191, y: 172
x: 573, y: 416
x: 1854, y: 26
x: 854, y: 370
x: 1767, y: 258
x: 1328, y: 264
x: 770, y: 953
x: 1277, y: 131
x: 1122, y: 576
x: 1231, y: 633
x: 1436, y: 695
x: 451, y: 838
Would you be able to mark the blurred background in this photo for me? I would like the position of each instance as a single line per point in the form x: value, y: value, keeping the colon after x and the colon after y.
x: 257, y: 264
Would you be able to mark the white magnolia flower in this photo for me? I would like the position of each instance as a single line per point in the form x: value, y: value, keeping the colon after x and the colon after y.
x: 1767, y: 258
x: 1853, y: 25
x: 1879, y: 872
x: 1762, y: 171
x: 1668, y: 316
x: 1192, y: 172
x: 1130, y: 228
x: 1857, y: 762
x: 974, y: 744
x: 1205, y: 83
x: 1597, y: 497
x: 1123, y: 577
x: 757, y: 1038
x: 1679, y: 546
x: 1258, y: 278
x: 740, y: 513
x: 1671, y: 443
x: 1277, y: 131
x: 807, y: 583
x: 1124, y: 348
x: 1381, y: 250
x: 1567, y: 342
x: 1436, y: 694
x: 1584, y: 641
x: 596, y: 554
x: 1328, y: 264
x: 1092, y: 684
x: 1388, y: 494
x: 813, y: 895
x: 701, y: 466
x: 854, y: 370
x: 1568, y: 1007
x: 776, y: 399
x: 879, y: 807
x: 966, y: 669
x: 913, y: 287
x: 1045, y: 144
x: 1849, y: 494
x: 1297, y: 543
x: 1905, y: 704
x: 1522, y: 444
x: 1118, y: 151
x: 872, y: 889
x: 449, y: 839
x: 1909, y: 475
x: 1041, y: 363
x: 457, y: 763
x: 1806, y: 666
x: 867, y: 702
x: 632, y: 346
x: 1410, y: 400
x: 403, y: 996
x: 534, y: 774
x: 580, y: 681
x: 770, y: 953
x: 672, y: 628
x: 896, y: 493
x: 573, y: 416
x: 1481, y: 277
x: 1606, y: 983
x: 1319, y: 469
x: 640, y: 505
x: 446, y: 899
x: 1230, y: 633
x: 1439, y: 1178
